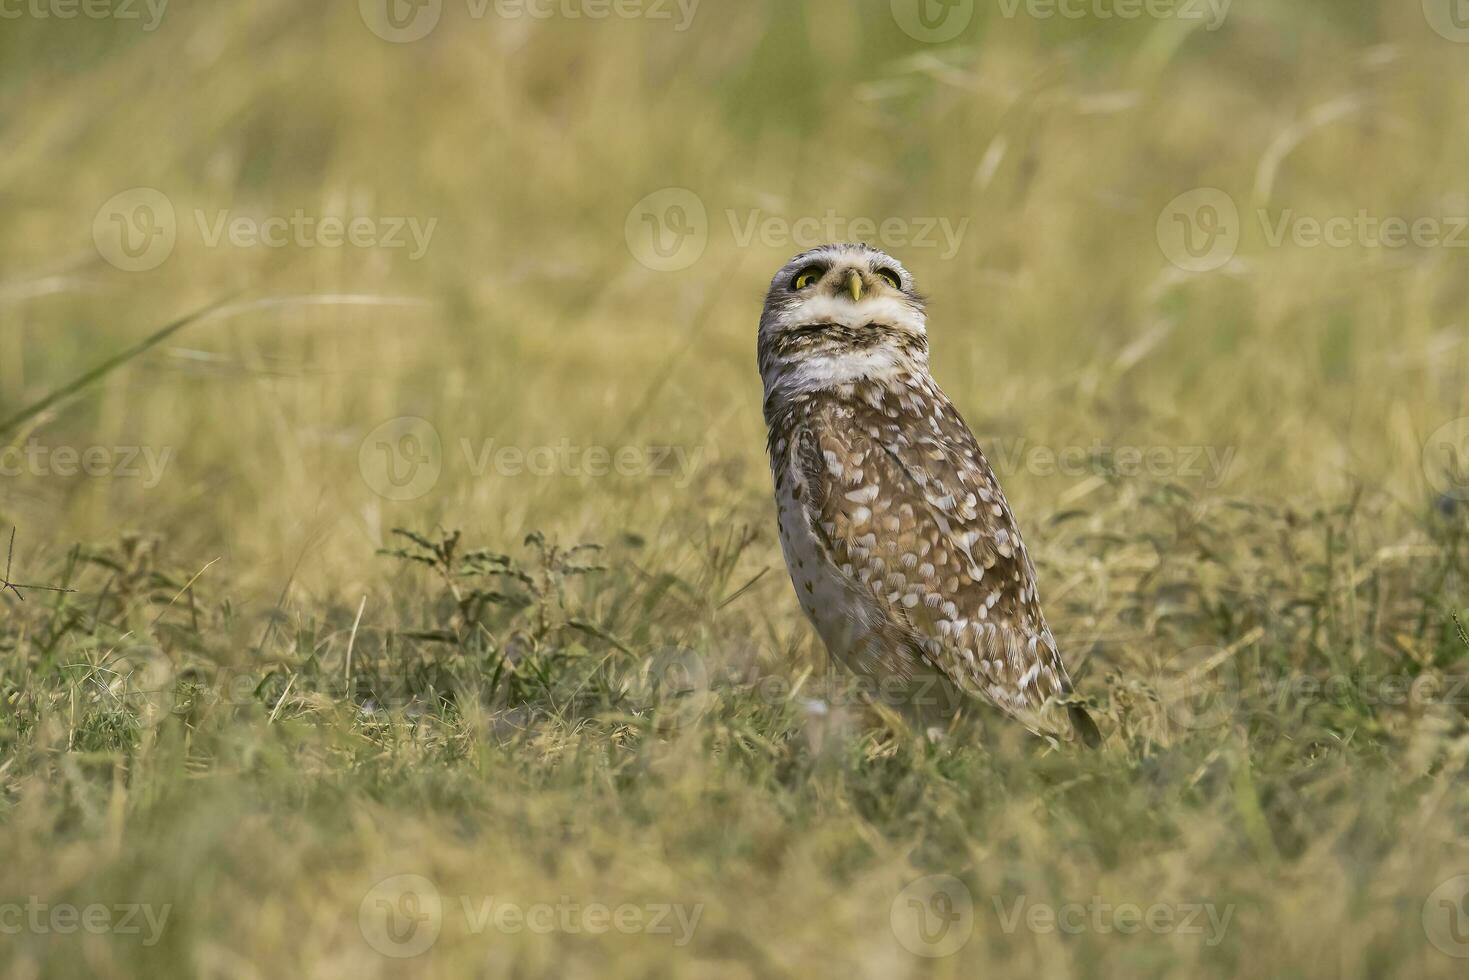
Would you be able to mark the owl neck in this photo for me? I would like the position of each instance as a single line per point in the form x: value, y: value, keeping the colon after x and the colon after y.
x: 788, y: 380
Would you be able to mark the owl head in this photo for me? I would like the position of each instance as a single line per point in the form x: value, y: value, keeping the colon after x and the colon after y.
x: 839, y: 313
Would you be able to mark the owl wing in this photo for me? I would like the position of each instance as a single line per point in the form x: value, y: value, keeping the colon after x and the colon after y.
x: 898, y: 491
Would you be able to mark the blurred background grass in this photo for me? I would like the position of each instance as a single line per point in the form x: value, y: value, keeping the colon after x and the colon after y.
x: 533, y: 319
x: 529, y: 141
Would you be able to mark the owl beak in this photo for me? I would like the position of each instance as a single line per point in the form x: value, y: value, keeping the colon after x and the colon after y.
x: 854, y: 284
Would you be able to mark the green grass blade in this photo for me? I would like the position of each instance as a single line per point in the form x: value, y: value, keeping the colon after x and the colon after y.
x: 108, y: 366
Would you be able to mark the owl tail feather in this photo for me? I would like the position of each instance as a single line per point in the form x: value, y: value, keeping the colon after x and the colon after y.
x: 1085, y: 728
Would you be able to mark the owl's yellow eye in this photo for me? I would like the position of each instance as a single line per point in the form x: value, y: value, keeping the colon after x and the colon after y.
x: 807, y: 277
x: 890, y: 277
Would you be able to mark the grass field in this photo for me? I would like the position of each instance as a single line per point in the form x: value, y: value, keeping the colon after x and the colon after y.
x: 489, y: 275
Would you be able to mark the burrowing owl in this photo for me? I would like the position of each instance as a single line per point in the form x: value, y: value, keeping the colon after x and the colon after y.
x: 899, y: 541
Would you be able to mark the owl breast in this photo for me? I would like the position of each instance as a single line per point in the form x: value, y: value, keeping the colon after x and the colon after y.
x: 836, y: 610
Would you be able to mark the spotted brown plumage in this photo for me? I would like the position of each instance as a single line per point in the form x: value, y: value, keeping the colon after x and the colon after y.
x: 902, y: 547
